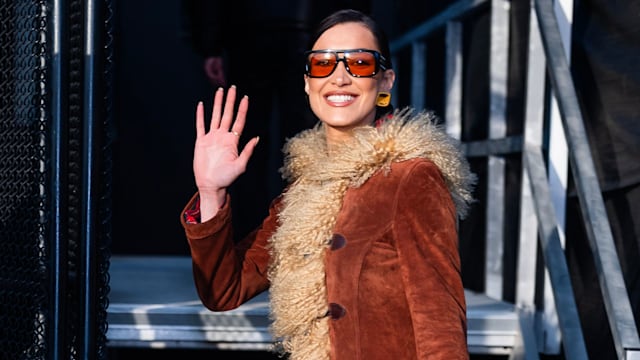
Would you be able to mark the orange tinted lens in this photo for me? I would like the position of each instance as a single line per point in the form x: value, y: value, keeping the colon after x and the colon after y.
x: 361, y: 63
x: 321, y: 64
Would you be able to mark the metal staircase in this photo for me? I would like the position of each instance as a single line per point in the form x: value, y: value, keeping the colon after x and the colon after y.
x: 542, y: 328
x: 153, y: 302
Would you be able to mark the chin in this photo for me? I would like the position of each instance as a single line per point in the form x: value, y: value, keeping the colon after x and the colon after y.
x: 347, y: 124
x: 342, y: 117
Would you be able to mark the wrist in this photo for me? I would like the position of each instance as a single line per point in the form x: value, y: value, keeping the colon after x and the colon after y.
x: 210, y: 202
x: 217, y: 194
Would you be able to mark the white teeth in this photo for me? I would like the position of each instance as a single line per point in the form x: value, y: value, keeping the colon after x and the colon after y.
x: 339, y: 98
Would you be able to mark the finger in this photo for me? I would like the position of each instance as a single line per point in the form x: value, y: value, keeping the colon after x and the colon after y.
x: 227, y: 115
x: 241, y: 116
x: 217, y: 106
x: 200, y: 120
x: 248, y: 150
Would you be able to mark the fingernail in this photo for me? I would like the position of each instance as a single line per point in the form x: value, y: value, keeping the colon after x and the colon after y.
x: 257, y: 139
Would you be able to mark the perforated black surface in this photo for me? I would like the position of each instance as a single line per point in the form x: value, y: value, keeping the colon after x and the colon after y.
x: 49, y: 272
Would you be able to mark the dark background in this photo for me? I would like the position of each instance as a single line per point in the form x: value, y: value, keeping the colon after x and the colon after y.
x: 159, y: 81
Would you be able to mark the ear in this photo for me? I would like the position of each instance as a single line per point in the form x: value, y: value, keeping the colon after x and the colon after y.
x: 306, y: 84
x: 388, y: 78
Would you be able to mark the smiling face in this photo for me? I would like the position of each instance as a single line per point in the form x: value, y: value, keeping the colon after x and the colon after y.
x: 340, y: 100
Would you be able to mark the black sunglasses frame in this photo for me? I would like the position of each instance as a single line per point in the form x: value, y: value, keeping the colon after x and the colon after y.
x: 379, y: 59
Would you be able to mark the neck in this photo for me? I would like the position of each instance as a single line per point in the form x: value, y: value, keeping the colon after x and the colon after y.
x: 336, y: 136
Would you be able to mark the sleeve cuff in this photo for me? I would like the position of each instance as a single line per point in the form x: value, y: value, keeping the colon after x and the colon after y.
x: 190, y: 218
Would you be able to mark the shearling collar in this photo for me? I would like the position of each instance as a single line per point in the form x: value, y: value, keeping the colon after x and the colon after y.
x: 318, y: 181
x: 406, y: 135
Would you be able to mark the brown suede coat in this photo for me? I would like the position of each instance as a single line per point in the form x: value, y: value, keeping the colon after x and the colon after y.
x: 391, y: 270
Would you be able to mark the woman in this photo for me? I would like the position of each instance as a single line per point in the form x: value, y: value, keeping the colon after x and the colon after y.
x: 360, y: 251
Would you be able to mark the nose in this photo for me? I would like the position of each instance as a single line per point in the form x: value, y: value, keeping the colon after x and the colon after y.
x: 340, y: 75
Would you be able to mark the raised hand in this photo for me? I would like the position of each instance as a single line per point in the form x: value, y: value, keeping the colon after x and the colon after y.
x: 216, y: 161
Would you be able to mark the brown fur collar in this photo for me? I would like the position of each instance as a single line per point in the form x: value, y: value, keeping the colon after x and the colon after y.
x: 311, y: 205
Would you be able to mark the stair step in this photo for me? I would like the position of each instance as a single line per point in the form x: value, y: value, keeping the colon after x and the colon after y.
x: 153, y: 303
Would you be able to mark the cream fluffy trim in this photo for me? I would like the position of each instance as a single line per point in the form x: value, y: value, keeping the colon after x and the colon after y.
x: 318, y: 181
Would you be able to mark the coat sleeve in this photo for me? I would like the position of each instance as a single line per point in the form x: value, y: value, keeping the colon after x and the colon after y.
x: 427, y: 245
x: 228, y: 274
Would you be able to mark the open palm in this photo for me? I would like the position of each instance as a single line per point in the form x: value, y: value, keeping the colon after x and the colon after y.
x: 216, y: 161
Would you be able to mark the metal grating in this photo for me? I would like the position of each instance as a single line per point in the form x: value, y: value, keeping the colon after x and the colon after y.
x: 54, y: 232
x: 23, y: 201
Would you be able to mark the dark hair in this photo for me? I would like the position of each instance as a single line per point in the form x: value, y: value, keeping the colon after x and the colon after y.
x: 350, y: 15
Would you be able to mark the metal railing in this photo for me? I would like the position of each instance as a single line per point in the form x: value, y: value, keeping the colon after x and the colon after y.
x: 616, y: 300
x: 538, y: 223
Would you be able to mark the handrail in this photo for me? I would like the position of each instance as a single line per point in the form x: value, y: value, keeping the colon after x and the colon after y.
x: 454, y: 11
x: 614, y: 293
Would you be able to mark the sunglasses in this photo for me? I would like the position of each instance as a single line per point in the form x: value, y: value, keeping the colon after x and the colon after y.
x: 358, y: 62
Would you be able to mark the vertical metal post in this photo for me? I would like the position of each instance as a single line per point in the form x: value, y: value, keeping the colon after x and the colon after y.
x: 533, y: 135
x: 558, y: 170
x: 57, y: 242
x: 453, y: 79
x: 88, y: 245
x: 534, y: 119
x: 498, y: 70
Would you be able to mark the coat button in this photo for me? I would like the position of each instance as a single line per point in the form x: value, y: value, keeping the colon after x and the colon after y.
x: 336, y: 311
x: 337, y: 241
